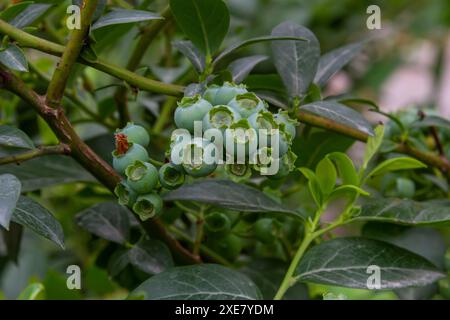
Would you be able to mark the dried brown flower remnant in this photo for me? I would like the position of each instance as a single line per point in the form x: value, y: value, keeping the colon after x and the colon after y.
x: 122, y: 144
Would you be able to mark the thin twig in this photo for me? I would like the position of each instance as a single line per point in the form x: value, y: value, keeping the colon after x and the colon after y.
x: 34, y: 153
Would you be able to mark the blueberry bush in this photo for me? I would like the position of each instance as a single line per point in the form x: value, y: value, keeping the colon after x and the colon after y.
x: 100, y: 98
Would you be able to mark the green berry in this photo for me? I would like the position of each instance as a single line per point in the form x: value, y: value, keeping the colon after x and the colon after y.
x: 265, y: 230
x: 136, y: 134
x: 240, y: 140
x: 286, y: 165
x: 220, y: 117
x: 122, y: 161
x: 246, y: 104
x: 199, y: 158
x: 126, y: 195
x: 142, y: 177
x: 171, y: 176
x: 148, y: 206
x: 189, y: 110
x: 217, y: 95
x: 217, y: 223
x: 405, y: 188
x: 286, y: 123
x: 229, y: 246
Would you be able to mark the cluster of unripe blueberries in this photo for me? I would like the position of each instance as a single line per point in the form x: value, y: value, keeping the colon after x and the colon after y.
x: 220, y: 108
x: 245, y: 123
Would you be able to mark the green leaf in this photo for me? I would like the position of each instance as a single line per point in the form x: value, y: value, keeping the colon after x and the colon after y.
x: 425, y: 242
x: 10, y: 188
x: 47, y: 171
x: 14, y: 58
x: 32, y: 215
x: 344, y: 262
x: 313, y: 185
x: 313, y: 147
x: 407, y: 212
x: 197, y: 58
x: 246, y: 43
x: 345, y: 168
x: 13, y: 137
x: 347, y: 191
x: 326, y: 175
x: 340, y: 114
x: 29, y: 15
x: 267, y: 274
x: 395, y: 164
x: 296, y: 61
x: 335, y: 60
x: 198, y: 282
x: 12, y: 11
x: 372, y: 146
x: 432, y: 121
x: 31, y: 292
x: 229, y: 195
x: 150, y: 256
x: 10, y: 241
x: 106, y: 220
x: 121, y: 16
x: 204, y: 22
x: 241, y: 68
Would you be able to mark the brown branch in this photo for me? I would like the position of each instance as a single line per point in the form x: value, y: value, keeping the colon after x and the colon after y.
x: 35, y: 153
x: 84, y: 155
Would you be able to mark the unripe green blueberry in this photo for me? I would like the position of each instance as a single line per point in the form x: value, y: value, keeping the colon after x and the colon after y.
x: 246, y: 104
x: 122, y: 161
x: 264, y: 162
x: 189, y: 110
x: 136, y: 134
x: 229, y: 246
x: 238, y: 172
x: 199, y: 158
x: 405, y: 188
x: 148, y: 206
x: 171, y: 176
x: 265, y: 230
x: 142, y: 177
x: 220, y: 117
x: 268, y: 131
x: 219, y: 95
x: 240, y: 140
x: 286, y: 123
x: 217, y: 224
x: 126, y: 195
x: 286, y: 165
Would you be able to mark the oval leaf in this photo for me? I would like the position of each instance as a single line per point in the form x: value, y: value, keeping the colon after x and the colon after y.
x: 335, y: 60
x: 344, y: 262
x: 395, y: 164
x: 106, y: 220
x: 227, y: 194
x: 14, y: 58
x: 296, y: 61
x: 150, y: 256
x: 121, y: 16
x: 326, y: 175
x: 32, y: 215
x: 432, y: 121
x: 192, y: 53
x: 13, y: 137
x: 205, y: 22
x: 345, y: 167
x: 47, y: 171
x: 29, y: 15
x: 241, y: 68
x: 339, y: 113
x: 199, y: 282
x: 243, y: 44
x: 404, y: 211
x: 10, y: 188
x: 31, y: 292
